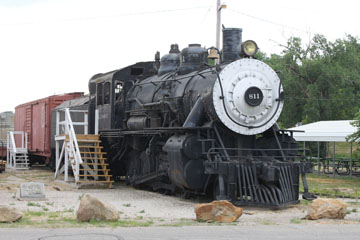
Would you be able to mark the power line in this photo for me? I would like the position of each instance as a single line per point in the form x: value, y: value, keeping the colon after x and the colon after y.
x: 108, y: 16
x: 323, y: 99
x: 269, y: 22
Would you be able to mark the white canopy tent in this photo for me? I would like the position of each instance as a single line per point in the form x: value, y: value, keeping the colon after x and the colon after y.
x: 325, y: 131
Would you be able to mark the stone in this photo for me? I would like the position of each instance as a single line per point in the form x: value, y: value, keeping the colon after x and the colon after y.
x: 92, y: 208
x: 32, y: 190
x: 217, y: 211
x: 326, y: 208
x: 8, y: 214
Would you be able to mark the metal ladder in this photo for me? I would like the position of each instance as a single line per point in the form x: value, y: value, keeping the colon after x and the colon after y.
x: 17, y: 156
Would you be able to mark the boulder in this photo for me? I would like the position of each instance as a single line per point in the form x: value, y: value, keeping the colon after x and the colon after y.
x: 217, y: 211
x: 8, y: 214
x: 92, y: 208
x: 326, y: 208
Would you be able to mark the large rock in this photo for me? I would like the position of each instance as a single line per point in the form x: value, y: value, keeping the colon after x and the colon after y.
x: 92, y: 208
x: 326, y: 208
x: 217, y: 211
x: 8, y: 214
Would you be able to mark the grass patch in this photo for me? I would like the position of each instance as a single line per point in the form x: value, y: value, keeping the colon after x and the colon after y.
x: 68, y: 210
x: 81, y: 196
x: 181, y: 223
x: 328, y: 186
x: 55, y: 219
x: 356, y: 203
x: 53, y: 214
x: 305, y: 202
x: 32, y: 204
x: 122, y: 223
x: 295, y: 221
x: 32, y: 213
x: 127, y: 205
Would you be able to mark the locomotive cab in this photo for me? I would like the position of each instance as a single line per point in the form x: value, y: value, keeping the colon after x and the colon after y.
x: 110, y: 92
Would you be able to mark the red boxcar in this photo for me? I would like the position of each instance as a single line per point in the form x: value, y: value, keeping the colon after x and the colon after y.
x: 34, y: 118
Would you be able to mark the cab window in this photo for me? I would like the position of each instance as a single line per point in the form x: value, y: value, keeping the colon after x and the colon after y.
x: 107, y: 93
x: 118, y: 91
x: 99, y: 92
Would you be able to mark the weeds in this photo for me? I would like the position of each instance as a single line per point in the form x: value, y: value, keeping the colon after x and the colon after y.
x: 81, y: 196
x: 295, y: 221
x: 31, y: 204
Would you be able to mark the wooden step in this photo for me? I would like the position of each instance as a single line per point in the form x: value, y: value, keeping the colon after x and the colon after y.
x: 94, y: 175
x: 95, y: 164
x: 94, y: 158
x: 95, y: 170
x: 95, y: 181
x: 98, y: 153
x: 86, y: 137
x: 88, y: 141
x: 87, y: 146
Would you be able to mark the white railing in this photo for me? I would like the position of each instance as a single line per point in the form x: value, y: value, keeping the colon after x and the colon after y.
x: 13, y: 150
x: 65, y: 134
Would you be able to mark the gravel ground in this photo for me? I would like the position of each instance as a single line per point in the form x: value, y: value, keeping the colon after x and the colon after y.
x: 138, y: 204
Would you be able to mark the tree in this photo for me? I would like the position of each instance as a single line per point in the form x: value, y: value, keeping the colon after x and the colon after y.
x: 321, y: 80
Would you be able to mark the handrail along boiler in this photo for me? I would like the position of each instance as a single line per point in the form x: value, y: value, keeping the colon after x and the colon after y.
x: 183, y: 125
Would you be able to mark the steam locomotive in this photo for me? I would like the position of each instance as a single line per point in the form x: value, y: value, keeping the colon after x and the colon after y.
x: 200, y: 123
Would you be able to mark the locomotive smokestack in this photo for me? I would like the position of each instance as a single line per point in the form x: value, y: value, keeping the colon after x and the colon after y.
x: 231, y: 41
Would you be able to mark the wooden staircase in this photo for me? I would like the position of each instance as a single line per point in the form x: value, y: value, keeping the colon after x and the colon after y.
x: 94, y: 168
x: 82, y: 153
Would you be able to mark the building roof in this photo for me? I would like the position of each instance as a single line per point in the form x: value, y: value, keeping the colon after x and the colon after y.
x: 324, y: 131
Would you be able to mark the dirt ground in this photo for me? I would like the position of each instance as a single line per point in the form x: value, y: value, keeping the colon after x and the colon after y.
x: 62, y: 201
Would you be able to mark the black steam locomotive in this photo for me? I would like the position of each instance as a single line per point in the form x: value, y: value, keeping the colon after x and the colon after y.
x: 195, y: 124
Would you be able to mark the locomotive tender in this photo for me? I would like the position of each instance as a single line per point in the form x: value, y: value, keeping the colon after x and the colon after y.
x: 183, y: 125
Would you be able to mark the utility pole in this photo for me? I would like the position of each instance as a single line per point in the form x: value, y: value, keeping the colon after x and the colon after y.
x: 219, y: 6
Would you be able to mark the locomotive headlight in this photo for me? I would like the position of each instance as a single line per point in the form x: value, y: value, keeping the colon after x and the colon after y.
x: 249, y: 48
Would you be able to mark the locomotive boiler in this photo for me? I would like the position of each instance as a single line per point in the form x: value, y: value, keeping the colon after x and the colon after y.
x: 184, y: 124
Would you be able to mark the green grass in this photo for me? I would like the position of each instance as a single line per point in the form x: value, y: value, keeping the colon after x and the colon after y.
x: 305, y: 202
x: 295, y: 221
x: 31, y: 204
x: 32, y: 213
x: 55, y: 219
x: 328, y: 186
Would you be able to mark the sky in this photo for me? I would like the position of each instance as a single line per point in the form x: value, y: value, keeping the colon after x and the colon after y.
x: 55, y: 46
